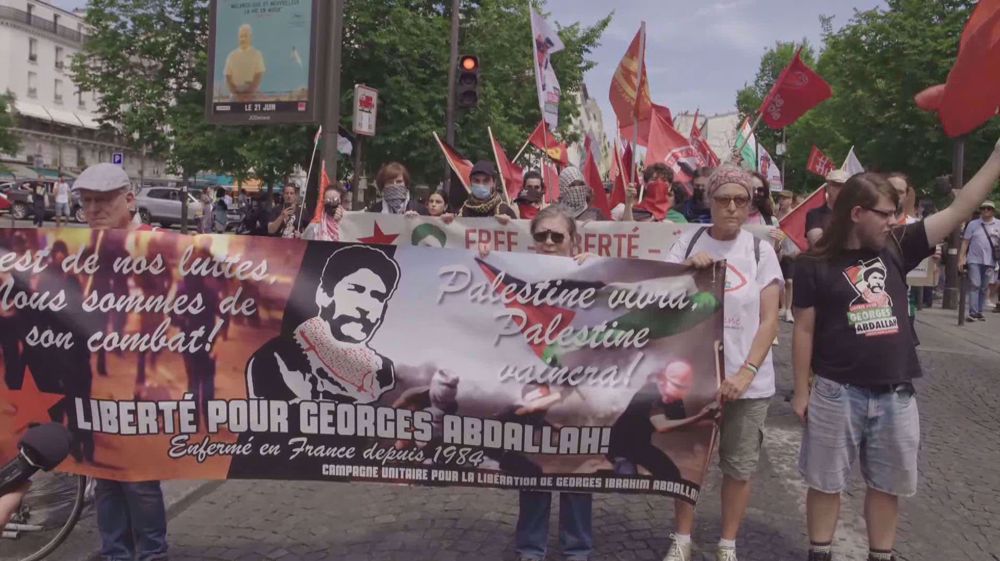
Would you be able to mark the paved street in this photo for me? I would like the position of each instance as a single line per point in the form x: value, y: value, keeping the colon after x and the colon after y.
x: 955, y: 516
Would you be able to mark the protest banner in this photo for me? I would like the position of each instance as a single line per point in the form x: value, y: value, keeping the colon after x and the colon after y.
x: 240, y: 357
x: 631, y: 240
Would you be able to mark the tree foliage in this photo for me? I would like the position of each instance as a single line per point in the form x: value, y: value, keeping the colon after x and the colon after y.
x: 876, y: 64
x: 8, y: 141
x: 147, y: 59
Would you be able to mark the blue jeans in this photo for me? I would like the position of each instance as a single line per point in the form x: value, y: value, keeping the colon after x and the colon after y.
x: 846, y: 423
x: 132, y: 520
x: 980, y: 279
x: 575, y: 534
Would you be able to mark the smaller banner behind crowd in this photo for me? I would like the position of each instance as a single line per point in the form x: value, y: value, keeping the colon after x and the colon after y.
x: 630, y: 240
x: 213, y: 357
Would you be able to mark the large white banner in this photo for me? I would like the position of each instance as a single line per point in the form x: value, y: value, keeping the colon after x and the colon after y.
x: 632, y: 240
x: 546, y: 42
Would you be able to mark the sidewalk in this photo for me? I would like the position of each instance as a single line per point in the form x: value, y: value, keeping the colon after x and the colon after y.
x: 939, y: 331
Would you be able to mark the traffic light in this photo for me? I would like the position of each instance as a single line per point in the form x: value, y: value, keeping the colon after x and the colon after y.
x: 467, y: 89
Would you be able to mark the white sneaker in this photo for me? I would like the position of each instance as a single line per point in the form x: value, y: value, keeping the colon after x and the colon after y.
x: 678, y: 552
x: 789, y: 317
x: 726, y: 554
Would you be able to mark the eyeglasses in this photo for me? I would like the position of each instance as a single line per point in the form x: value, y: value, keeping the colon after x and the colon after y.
x: 740, y: 201
x: 886, y: 214
x: 544, y: 235
x: 985, y: 208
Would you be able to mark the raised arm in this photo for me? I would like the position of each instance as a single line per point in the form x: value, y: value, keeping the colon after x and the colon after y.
x: 940, y: 225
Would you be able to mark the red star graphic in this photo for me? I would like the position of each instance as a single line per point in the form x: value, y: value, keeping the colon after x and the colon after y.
x: 27, y: 405
x: 379, y: 237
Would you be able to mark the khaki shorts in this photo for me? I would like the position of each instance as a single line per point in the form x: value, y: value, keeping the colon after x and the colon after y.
x: 741, y: 435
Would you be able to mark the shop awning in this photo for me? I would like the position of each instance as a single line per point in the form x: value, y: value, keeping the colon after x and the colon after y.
x: 88, y: 121
x: 52, y: 173
x: 16, y: 172
x: 64, y: 117
x: 33, y: 110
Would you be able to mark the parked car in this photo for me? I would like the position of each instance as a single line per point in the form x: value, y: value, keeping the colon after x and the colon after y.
x: 163, y: 205
x: 19, y: 196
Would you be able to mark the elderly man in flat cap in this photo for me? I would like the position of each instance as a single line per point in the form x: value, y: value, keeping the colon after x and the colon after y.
x: 131, y: 517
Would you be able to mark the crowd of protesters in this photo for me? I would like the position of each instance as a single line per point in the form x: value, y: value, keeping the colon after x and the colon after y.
x: 853, y: 346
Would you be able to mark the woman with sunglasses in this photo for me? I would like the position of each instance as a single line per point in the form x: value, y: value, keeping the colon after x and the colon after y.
x: 753, y: 285
x: 554, y: 233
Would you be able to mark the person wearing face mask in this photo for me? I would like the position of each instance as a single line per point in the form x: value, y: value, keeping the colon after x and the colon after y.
x: 484, y: 200
x: 696, y: 209
x: 393, y: 181
x: 529, y: 200
x: 657, y: 201
x: 575, y: 196
x: 327, y: 229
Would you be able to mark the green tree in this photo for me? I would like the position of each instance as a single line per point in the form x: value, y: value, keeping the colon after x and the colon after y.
x: 876, y: 64
x: 8, y: 141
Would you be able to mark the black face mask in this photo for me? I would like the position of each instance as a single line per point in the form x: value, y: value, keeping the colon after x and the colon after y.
x: 532, y: 195
x: 331, y: 208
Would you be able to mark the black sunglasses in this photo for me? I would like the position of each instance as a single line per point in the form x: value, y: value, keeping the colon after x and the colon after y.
x: 887, y: 214
x: 542, y: 236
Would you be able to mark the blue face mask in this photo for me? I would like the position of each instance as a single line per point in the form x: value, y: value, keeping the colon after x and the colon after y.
x: 481, y: 192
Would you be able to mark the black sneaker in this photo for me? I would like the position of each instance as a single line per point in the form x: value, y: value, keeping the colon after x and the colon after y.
x: 820, y: 556
x: 980, y: 317
x: 870, y: 558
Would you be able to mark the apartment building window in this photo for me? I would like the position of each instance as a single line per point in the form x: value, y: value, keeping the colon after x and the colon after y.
x: 31, y: 12
x: 79, y: 100
x: 32, y: 84
x: 58, y: 95
x: 33, y: 50
x: 59, y: 58
x: 55, y: 20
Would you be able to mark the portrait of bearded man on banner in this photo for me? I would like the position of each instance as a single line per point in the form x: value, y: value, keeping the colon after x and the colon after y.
x: 327, y: 357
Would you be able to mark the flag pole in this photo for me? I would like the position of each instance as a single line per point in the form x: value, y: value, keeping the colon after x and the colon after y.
x: 312, y: 161
x: 521, y: 151
x: 545, y: 153
x: 496, y: 158
x: 635, y: 109
x: 739, y: 147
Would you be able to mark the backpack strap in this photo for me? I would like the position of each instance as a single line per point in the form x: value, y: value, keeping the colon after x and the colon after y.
x: 756, y: 250
x: 694, y: 239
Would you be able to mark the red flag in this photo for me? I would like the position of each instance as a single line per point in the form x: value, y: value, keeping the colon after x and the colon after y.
x: 593, y: 178
x: 544, y: 140
x: 511, y: 175
x: 701, y: 144
x: 550, y: 175
x: 972, y: 93
x: 627, y: 130
x: 655, y: 200
x: 794, y: 223
x: 797, y: 90
x: 461, y: 166
x: 324, y: 184
x: 819, y: 163
x: 629, y: 91
x: 622, y: 174
x: 668, y: 146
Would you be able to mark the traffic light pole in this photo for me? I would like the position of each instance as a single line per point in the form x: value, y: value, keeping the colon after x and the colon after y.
x: 452, y: 75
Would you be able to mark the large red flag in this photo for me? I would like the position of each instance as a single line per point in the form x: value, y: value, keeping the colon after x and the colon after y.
x: 629, y: 90
x: 626, y: 130
x: 819, y: 163
x: 511, y: 175
x: 701, y: 144
x: 972, y: 93
x: 794, y: 223
x: 797, y: 90
x: 668, y: 146
x: 622, y: 175
x: 592, y: 176
x: 461, y: 166
x: 544, y: 140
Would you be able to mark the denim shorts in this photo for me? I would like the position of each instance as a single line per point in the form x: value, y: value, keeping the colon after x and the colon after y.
x: 62, y: 209
x: 741, y: 435
x: 844, y: 420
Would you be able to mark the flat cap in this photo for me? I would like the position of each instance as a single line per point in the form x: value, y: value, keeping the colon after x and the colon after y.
x: 102, y: 177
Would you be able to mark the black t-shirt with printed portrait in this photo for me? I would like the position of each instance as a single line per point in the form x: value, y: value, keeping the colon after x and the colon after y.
x: 863, y: 334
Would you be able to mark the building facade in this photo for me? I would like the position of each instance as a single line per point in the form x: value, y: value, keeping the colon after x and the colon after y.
x: 56, y: 123
x: 590, y: 123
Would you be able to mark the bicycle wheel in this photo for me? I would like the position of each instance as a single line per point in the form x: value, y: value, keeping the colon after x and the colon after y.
x: 50, y: 511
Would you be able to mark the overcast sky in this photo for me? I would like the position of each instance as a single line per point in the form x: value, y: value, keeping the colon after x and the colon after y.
x: 699, y: 52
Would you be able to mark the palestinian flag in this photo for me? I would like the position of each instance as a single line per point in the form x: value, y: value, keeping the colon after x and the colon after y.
x: 555, y: 320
